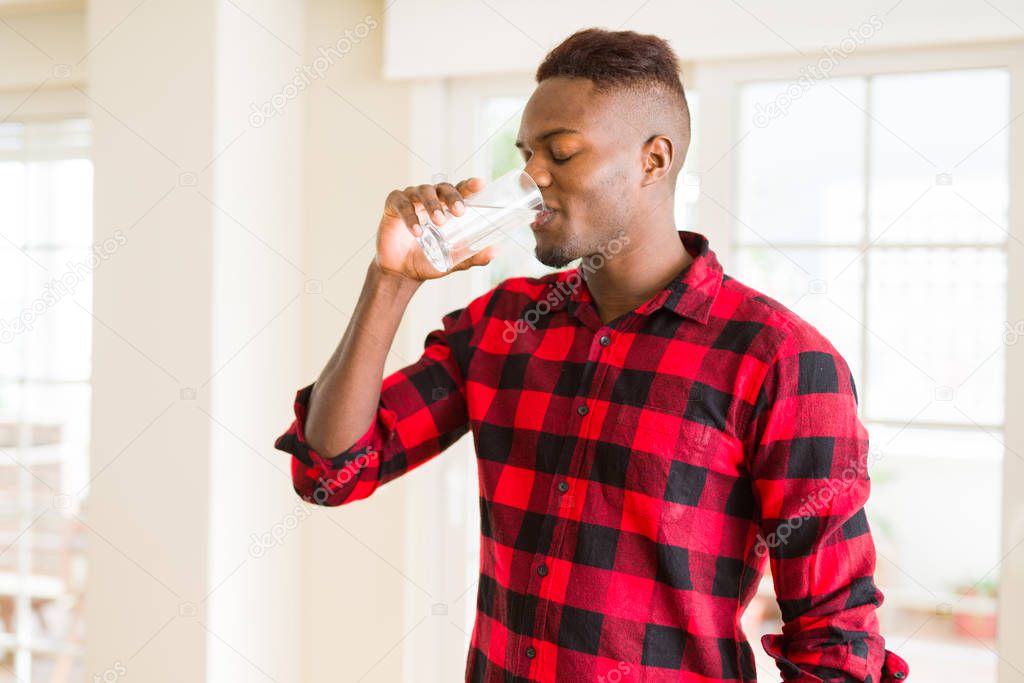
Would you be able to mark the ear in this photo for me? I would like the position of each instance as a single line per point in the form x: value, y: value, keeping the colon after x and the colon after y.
x: 658, y: 154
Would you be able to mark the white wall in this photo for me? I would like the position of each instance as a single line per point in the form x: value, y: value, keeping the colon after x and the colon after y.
x: 41, y: 55
x: 431, y: 38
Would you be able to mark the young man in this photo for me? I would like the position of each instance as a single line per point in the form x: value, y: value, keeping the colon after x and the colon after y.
x: 650, y: 432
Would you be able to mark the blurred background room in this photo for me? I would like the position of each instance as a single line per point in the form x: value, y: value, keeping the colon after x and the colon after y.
x: 189, y: 193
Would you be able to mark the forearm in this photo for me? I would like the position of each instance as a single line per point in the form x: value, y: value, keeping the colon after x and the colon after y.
x: 345, y: 397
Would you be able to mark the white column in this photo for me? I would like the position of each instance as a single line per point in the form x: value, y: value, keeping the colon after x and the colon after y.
x: 197, y: 341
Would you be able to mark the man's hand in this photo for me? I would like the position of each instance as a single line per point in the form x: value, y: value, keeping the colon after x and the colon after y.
x: 398, y: 252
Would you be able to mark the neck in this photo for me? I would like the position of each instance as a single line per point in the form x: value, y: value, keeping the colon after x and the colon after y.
x: 652, y: 258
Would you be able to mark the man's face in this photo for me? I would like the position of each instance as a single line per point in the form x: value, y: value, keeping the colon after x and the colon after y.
x: 591, y: 177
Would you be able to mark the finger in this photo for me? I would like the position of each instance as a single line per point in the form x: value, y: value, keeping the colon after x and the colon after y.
x: 447, y: 193
x: 433, y: 207
x: 413, y: 196
x: 470, y: 185
x: 399, y: 204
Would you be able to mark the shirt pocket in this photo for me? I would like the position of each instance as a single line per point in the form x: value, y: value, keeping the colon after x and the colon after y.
x: 658, y: 463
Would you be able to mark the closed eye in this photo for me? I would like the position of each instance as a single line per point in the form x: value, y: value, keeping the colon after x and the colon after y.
x: 557, y: 160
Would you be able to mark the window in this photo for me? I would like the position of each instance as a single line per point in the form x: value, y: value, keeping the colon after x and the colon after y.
x: 876, y: 207
x: 45, y: 348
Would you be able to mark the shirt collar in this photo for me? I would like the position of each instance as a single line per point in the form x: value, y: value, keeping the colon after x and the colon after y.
x: 690, y: 294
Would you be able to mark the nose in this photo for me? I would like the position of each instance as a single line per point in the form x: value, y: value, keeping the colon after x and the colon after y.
x: 539, y: 175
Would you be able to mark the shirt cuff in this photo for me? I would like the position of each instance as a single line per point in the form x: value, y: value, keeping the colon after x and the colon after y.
x: 294, y: 440
x: 894, y: 667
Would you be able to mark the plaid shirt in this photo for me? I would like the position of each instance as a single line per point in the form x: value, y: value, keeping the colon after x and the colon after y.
x: 635, y: 479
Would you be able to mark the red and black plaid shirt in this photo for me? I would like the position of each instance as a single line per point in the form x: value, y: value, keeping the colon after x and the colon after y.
x: 635, y: 479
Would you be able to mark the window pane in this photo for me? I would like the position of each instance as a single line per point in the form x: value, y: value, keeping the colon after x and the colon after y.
x: 939, y: 157
x: 501, y: 121
x: 61, y: 332
x: 515, y: 255
x: 44, y: 443
x: 48, y: 667
x: 62, y: 203
x: 688, y: 182
x: 15, y: 268
x: 930, y: 486
x: 13, y: 189
x: 61, y: 413
x: 936, y: 321
x: 935, y: 515
x: 800, y: 176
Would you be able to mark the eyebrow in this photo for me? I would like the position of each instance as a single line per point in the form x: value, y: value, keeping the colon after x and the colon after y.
x: 553, y: 131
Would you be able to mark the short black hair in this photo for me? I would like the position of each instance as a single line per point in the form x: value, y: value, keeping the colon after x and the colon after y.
x: 614, y: 59
x: 641, y: 63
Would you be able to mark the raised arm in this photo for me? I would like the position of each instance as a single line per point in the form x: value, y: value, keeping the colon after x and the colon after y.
x: 354, y: 425
x: 344, y: 398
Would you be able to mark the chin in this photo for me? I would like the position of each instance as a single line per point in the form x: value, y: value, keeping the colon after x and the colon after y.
x: 554, y: 257
x: 556, y: 250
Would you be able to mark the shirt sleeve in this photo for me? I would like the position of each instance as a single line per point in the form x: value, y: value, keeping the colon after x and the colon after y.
x: 421, y: 412
x: 810, y: 481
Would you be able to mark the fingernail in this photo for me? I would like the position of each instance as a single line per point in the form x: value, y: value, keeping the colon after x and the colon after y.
x: 417, y: 230
x: 438, y: 216
x: 460, y: 205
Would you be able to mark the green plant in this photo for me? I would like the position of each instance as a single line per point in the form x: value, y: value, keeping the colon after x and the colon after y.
x: 987, y: 586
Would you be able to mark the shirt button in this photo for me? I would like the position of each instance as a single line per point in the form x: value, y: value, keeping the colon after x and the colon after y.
x: 530, y: 652
x: 606, y: 340
x: 563, y: 486
x: 582, y: 410
x: 542, y: 570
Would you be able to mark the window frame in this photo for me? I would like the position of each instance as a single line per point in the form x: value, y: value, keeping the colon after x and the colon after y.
x: 720, y: 85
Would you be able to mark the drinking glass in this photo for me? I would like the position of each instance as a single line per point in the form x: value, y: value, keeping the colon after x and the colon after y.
x: 507, y: 203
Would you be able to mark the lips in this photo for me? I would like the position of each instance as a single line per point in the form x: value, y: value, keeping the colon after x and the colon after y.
x: 542, y: 219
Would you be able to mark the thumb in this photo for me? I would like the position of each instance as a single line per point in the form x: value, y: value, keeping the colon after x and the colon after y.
x: 481, y: 258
